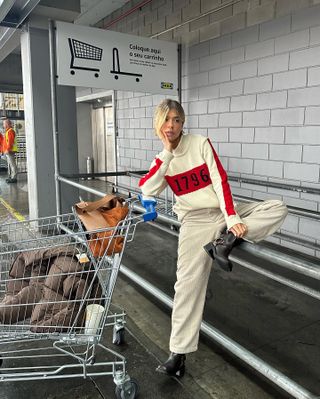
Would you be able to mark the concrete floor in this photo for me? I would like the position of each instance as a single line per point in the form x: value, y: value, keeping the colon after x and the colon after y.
x: 276, y: 323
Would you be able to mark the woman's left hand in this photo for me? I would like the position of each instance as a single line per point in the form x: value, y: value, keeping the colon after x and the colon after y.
x: 239, y: 230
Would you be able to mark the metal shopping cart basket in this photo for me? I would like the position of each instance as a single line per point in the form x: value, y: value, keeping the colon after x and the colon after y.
x: 84, y: 56
x: 55, y: 297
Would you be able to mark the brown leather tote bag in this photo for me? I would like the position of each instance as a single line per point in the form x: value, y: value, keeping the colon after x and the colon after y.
x: 105, y: 213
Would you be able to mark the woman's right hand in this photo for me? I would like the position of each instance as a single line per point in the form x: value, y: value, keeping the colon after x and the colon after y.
x: 166, y: 143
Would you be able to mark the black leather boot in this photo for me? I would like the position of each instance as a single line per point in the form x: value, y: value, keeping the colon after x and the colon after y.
x: 173, y: 366
x: 220, y: 249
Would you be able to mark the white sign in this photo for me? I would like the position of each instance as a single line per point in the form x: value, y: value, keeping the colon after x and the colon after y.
x: 92, y: 57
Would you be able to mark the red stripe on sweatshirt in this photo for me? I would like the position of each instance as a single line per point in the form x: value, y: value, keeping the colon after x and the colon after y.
x: 224, y: 183
x: 190, y: 181
x: 151, y: 172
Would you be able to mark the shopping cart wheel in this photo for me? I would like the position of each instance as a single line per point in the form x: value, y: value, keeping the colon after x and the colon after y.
x: 127, y: 391
x: 118, y: 337
x: 96, y: 75
x: 72, y: 72
x: 137, y: 80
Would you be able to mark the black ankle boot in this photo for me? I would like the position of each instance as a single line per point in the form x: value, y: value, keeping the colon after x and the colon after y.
x: 173, y: 366
x: 220, y: 249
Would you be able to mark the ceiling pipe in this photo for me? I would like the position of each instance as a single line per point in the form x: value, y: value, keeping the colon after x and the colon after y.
x: 133, y: 9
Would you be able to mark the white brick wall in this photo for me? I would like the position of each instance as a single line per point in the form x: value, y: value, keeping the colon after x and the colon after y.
x: 250, y: 82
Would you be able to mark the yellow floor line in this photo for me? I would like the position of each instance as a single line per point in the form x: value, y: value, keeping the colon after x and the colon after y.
x: 13, y: 212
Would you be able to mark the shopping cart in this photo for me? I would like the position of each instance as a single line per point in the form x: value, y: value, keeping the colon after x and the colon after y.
x: 49, y: 280
x: 84, y: 56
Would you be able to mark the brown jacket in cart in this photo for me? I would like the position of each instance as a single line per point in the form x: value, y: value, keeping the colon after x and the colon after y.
x: 47, y: 286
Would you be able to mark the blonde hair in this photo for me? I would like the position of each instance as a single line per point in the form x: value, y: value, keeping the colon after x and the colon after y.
x: 162, y: 111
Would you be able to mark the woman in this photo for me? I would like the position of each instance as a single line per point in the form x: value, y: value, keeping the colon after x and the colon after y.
x: 204, y: 205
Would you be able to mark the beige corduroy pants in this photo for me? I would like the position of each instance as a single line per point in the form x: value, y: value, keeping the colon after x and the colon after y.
x: 194, y: 265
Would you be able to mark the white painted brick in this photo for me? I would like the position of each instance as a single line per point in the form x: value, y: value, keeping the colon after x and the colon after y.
x: 233, y: 24
x: 259, y: 50
x: 258, y: 85
x: 208, y: 92
x: 292, y: 41
x: 219, y: 105
x: 146, y: 101
x: 314, y: 35
x: 210, y: 62
x: 290, y: 80
x: 311, y: 154
x: 239, y: 165
x: 139, y: 133
x: 309, y: 227
x: 230, y: 119
x: 312, y: 116
x: 272, y: 100
x: 136, y: 164
x: 207, y: 5
x: 230, y: 149
x: 243, y: 103
x: 314, y: 76
x: 306, y: 18
x: 242, y: 135
x: 231, y: 88
x: 269, y: 135
x: 157, y: 146
x: 134, y: 143
x: 302, y: 172
x: 209, y: 32
x: 244, y: 70
x: 263, y: 13
x: 208, y: 121
x: 245, y: 36
x: 257, y: 118
x: 173, y: 18
x: 301, y: 203
x: 287, y: 117
x: 218, y: 135
x: 232, y: 56
x: 303, y: 97
x: 198, y: 107
x: 149, y: 112
x: 124, y: 123
x: 146, y: 123
x: 123, y: 103
x: 129, y: 153
x: 191, y: 67
x: 285, y: 7
x: 220, y: 44
x: 190, y: 95
x: 134, y: 102
x: 286, y: 152
x: 305, y: 58
x: 198, y: 51
x: 255, y: 151
x: 268, y: 168
x: 290, y: 224
x: 196, y: 80
x: 139, y: 112
x: 134, y: 123
x: 219, y: 75
x: 273, y: 64
x: 192, y: 121
x: 275, y: 28
x: 303, y: 135
x: 192, y: 10
x: 140, y: 154
x: 146, y: 144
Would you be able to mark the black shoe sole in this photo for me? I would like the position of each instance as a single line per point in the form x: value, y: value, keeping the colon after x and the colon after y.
x: 178, y: 374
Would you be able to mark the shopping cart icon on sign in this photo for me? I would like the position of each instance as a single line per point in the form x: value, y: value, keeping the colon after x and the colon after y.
x: 84, y: 56
x: 116, y: 67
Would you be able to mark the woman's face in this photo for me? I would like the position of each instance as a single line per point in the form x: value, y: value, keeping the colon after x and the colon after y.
x: 172, y: 126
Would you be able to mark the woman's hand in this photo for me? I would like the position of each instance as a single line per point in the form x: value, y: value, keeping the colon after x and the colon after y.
x: 239, y: 230
x: 166, y: 143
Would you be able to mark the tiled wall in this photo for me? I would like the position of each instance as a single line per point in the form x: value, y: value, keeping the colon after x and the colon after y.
x: 250, y: 82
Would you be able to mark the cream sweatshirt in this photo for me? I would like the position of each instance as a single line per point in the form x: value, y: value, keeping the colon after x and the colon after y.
x: 195, y: 175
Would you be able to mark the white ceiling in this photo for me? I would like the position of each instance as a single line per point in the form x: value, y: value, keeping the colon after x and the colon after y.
x: 92, y: 11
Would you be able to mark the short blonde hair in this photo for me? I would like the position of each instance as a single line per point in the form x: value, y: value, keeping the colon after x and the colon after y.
x: 162, y: 111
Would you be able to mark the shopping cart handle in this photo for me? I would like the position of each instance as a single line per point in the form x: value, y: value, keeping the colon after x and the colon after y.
x: 149, y: 203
